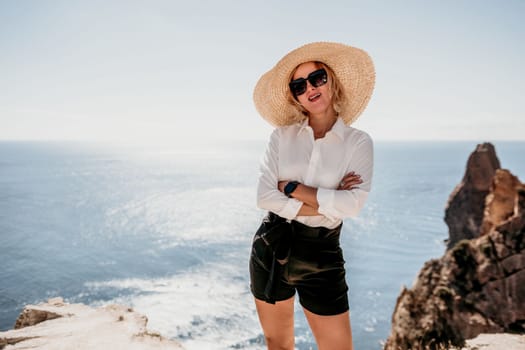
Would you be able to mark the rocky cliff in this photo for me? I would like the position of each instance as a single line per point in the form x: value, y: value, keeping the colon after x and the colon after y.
x: 478, y: 286
x: 57, y: 325
x: 464, y: 211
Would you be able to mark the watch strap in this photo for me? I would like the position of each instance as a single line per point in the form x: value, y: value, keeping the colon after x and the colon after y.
x: 290, y: 187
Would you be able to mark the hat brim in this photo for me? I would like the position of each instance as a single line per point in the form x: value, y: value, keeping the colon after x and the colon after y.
x: 352, y: 66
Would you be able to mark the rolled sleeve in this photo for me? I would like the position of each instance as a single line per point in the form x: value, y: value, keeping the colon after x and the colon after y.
x: 268, y: 195
x: 336, y: 204
x: 290, y: 209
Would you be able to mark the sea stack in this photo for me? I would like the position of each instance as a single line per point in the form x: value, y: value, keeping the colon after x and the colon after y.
x: 464, y: 210
x: 478, y: 286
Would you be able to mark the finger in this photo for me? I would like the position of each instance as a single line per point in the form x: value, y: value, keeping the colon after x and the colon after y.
x: 352, y: 173
x: 352, y: 181
x: 344, y: 184
x: 351, y: 178
x: 354, y: 176
x: 351, y: 184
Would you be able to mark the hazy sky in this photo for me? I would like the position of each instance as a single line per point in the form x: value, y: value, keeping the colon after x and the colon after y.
x: 171, y: 71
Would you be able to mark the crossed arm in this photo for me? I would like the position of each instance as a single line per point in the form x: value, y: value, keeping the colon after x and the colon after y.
x: 334, y: 203
x: 308, y: 195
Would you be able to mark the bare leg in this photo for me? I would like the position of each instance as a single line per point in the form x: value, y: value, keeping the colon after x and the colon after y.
x: 331, y: 332
x: 277, y: 323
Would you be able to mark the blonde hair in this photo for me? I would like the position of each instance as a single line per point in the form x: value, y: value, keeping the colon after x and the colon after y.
x: 335, y: 87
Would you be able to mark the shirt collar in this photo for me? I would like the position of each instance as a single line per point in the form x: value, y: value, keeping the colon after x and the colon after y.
x: 303, y: 125
x: 338, y: 129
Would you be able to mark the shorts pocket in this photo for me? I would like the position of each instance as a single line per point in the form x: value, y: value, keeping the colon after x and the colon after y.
x: 261, y: 253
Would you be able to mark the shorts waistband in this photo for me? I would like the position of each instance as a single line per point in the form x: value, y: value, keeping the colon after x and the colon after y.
x: 302, y: 230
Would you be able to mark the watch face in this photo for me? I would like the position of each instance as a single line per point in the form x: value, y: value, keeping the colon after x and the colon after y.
x: 290, y: 187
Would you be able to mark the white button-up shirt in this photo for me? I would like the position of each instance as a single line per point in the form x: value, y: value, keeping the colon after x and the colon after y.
x: 294, y: 154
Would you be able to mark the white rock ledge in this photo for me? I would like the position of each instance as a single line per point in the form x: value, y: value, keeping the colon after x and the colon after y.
x: 500, y: 341
x: 58, y: 325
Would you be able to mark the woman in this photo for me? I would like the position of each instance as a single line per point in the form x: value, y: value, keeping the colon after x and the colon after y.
x: 317, y: 171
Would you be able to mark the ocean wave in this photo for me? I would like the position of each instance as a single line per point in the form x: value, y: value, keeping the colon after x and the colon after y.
x: 209, y: 307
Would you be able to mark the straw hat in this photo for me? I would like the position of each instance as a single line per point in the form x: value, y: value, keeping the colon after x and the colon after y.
x: 352, y: 66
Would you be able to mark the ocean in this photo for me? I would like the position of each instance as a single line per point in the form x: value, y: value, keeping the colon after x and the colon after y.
x: 168, y: 232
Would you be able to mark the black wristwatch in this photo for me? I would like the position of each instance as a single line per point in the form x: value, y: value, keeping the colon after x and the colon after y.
x: 290, y: 187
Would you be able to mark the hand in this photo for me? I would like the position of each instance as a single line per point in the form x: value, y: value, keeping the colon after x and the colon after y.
x: 350, y: 181
x: 281, y: 184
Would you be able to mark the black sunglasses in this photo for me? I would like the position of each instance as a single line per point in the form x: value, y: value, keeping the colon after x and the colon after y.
x: 316, y: 78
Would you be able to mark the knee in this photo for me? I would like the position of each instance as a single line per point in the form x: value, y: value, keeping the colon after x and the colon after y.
x: 279, y: 343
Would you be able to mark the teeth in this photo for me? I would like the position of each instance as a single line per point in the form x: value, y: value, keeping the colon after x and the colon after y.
x: 314, y: 96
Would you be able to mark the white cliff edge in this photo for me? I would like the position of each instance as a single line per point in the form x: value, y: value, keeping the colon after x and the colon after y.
x: 497, y: 341
x: 59, y: 325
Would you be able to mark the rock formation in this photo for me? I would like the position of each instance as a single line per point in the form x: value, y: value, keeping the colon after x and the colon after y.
x: 464, y: 211
x: 58, y: 325
x: 478, y: 286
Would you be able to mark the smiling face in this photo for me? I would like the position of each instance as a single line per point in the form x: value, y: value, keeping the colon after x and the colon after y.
x: 316, y: 100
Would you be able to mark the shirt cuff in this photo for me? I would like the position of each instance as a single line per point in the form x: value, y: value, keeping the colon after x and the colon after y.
x: 290, y: 210
x: 325, y: 198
